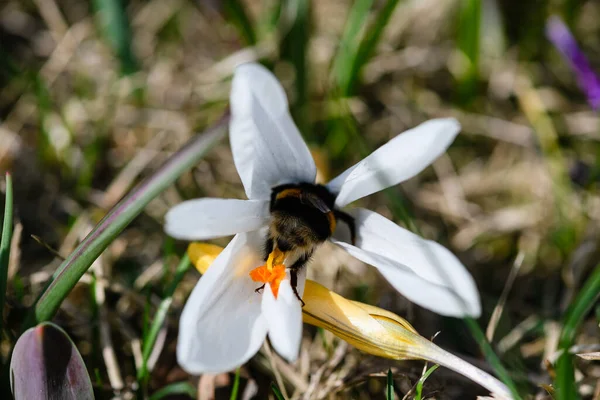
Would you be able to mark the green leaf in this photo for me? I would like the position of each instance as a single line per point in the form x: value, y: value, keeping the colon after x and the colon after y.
x: 276, y: 391
x: 390, y: 385
x: 73, y: 268
x: 5, y: 242
x: 422, y: 379
x: 581, y: 306
x: 114, y: 25
x: 159, y: 318
x: 175, y: 389
x: 45, y: 364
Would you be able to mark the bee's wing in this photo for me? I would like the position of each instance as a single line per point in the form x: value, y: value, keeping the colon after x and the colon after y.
x: 315, y: 201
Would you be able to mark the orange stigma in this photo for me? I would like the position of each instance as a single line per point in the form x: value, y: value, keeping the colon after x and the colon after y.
x: 273, y: 272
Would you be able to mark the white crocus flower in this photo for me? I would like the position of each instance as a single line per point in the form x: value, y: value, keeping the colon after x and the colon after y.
x: 225, y: 320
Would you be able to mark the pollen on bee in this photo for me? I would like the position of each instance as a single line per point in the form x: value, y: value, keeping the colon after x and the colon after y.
x: 275, y: 257
x: 273, y: 276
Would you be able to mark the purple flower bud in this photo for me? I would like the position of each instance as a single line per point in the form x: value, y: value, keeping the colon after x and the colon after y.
x: 45, y: 364
x: 558, y: 33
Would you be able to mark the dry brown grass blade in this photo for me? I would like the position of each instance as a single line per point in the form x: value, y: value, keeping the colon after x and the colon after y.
x: 497, y: 313
x: 590, y: 356
x: 271, y: 356
x: 315, y: 378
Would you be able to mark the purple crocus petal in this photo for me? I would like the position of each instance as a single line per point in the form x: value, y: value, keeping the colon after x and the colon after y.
x: 558, y: 33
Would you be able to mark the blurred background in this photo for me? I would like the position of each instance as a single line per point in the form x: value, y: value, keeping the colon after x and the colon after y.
x: 95, y: 95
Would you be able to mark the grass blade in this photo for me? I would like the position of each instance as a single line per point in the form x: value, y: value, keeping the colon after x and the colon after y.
x: 582, y: 305
x: 159, y: 318
x: 370, y: 41
x: 276, y: 391
x: 349, y: 45
x: 390, y: 385
x: 115, y: 27
x: 236, y: 385
x: 236, y: 13
x: 5, y: 242
x: 422, y: 379
x: 491, y: 357
x: 73, y: 268
x: 352, y: 57
x: 176, y: 388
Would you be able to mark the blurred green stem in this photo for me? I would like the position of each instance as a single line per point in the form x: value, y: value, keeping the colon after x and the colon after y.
x: 570, y: 219
x: 114, y: 24
x: 236, y: 13
x: 370, y: 42
x: 349, y: 45
x: 469, y: 34
x: 293, y: 48
x: 73, y: 268
x: 582, y: 305
x: 354, y: 53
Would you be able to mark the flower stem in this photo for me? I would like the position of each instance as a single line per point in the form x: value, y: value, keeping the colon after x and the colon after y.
x: 442, y: 357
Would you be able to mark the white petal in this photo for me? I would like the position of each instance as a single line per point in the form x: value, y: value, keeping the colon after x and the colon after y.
x: 398, y: 160
x: 267, y: 147
x: 424, y: 271
x: 208, y: 218
x: 221, y: 326
x: 284, y: 320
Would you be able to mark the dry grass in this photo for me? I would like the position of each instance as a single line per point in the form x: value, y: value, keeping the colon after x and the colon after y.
x: 77, y: 137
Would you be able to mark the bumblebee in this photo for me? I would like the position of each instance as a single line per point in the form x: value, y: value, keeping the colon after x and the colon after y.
x: 303, y: 216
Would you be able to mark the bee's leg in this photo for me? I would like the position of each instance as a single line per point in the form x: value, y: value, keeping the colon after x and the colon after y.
x: 268, y: 247
x: 348, y: 220
x: 294, y: 283
x: 297, y: 266
x: 260, y: 289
